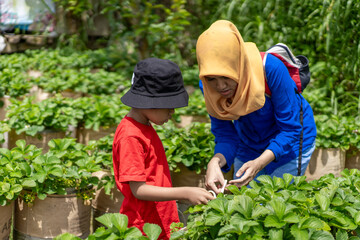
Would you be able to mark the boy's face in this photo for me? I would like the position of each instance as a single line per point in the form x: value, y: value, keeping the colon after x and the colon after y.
x: 159, y: 116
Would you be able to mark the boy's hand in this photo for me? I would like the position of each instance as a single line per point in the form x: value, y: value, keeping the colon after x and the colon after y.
x: 196, y: 195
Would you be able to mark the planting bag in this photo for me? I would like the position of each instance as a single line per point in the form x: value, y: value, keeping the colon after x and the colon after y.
x: 107, y: 203
x: 5, y: 220
x: 352, y: 159
x: 324, y: 161
x: 52, y: 216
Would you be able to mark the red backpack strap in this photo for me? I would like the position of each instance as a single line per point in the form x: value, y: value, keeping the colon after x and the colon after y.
x: 267, y: 89
x: 293, y: 71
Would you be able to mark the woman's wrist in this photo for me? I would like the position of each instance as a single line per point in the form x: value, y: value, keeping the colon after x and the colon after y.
x: 218, y: 159
x: 265, y: 158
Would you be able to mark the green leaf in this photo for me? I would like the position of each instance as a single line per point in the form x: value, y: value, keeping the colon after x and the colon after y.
x: 275, y: 234
x: 291, y: 217
x: 341, y: 235
x: 218, y: 204
x: 323, y: 201
x: 213, y: 218
x: 153, y: 231
x: 234, y: 189
x: 28, y: 183
x: 321, y: 235
x: 315, y: 223
x: 108, y: 220
x: 41, y: 196
x: 299, y: 234
x: 273, y: 221
x: 21, y: 144
x: 133, y: 233
x: 279, y: 207
x: 228, y: 229
x: 56, y: 171
x: 357, y: 218
x: 266, y: 179
x: 259, y: 211
x: 287, y: 179
x: 244, y: 205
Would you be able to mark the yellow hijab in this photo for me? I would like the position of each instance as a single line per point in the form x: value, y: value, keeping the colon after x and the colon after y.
x: 221, y: 51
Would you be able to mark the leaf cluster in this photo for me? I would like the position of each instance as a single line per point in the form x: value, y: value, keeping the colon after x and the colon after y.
x: 116, y: 227
x: 281, y: 208
x: 67, y: 165
x: 192, y: 146
x: 54, y: 113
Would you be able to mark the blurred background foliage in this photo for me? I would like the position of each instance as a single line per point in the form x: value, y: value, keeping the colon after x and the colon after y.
x: 326, y: 31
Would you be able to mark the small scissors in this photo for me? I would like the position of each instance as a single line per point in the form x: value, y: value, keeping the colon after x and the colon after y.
x: 222, y: 189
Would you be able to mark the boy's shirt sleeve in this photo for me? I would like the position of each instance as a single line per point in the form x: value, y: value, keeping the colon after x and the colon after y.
x: 287, y: 112
x: 132, y: 154
x: 226, y: 139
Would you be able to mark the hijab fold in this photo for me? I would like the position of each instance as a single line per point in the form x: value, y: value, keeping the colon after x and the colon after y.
x: 221, y: 51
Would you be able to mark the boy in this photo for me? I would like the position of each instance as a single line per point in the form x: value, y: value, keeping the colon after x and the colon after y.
x: 141, y: 170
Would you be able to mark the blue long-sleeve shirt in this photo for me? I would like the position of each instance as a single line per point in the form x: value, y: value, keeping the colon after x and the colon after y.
x: 276, y: 126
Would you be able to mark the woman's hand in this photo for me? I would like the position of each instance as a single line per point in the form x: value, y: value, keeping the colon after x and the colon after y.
x: 214, y: 176
x: 251, y: 168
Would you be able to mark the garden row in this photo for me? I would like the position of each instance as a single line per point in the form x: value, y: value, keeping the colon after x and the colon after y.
x: 273, y: 208
x: 55, y: 94
x: 78, y: 178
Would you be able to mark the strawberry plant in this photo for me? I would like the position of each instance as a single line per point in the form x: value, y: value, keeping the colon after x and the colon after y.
x: 192, y: 146
x: 13, y: 82
x: 54, y: 113
x: 66, y: 165
x: 100, y: 111
x: 281, y: 208
x: 11, y: 172
x: 102, y: 152
x: 4, y: 128
x: 82, y: 80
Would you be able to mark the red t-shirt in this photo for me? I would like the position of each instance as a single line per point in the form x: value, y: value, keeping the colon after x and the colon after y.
x: 138, y: 155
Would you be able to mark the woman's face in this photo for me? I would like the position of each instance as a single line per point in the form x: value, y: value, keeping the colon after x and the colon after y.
x: 223, y: 85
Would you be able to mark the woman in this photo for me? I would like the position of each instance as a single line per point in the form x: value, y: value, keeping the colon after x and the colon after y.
x: 257, y: 133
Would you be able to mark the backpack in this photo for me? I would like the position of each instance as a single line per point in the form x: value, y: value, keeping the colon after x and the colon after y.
x: 298, y: 66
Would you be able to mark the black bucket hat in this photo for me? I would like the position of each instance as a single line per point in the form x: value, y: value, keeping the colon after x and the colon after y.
x: 156, y: 83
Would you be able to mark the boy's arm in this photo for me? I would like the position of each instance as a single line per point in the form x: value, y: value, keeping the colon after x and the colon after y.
x: 194, y: 195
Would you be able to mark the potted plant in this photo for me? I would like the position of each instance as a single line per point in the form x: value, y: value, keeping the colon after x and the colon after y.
x: 14, y: 84
x: 108, y: 198
x: 101, y: 116
x: 331, y: 146
x: 353, y: 153
x: 57, y: 189
x: 10, y: 188
x: 37, y: 123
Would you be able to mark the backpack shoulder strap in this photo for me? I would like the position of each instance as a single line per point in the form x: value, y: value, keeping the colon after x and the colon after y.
x: 267, y: 89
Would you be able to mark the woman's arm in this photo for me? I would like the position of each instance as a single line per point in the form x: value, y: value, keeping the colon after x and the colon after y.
x: 251, y: 168
x: 194, y: 195
x: 214, y: 175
